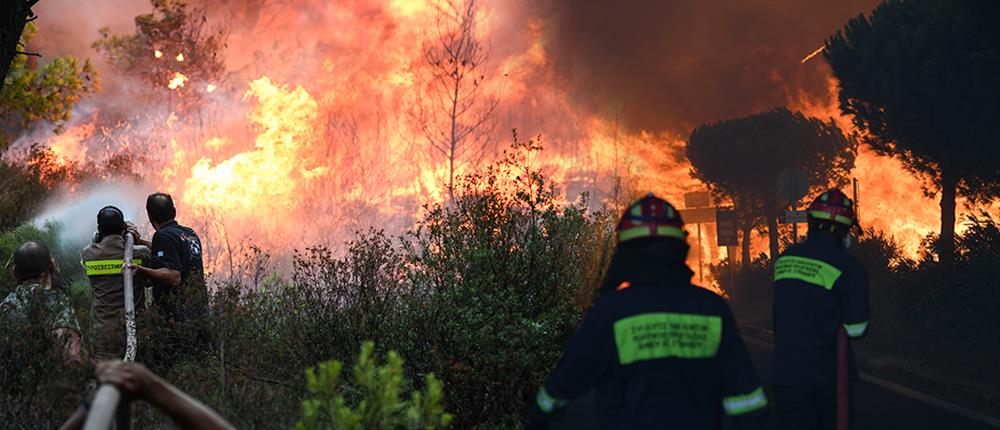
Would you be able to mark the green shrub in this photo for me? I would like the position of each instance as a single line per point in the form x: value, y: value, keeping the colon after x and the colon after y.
x: 372, y: 399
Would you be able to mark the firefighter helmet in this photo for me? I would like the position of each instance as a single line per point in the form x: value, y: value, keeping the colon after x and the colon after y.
x: 835, y: 206
x: 650, y: 216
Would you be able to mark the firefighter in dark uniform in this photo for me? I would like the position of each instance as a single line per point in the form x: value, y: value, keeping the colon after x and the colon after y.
x: 818, y: 290
x: 178, y: 275
x: 660, y: 352
x: 103, y: 261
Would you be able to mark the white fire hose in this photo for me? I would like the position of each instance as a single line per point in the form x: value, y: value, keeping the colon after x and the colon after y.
x: 105, y: 404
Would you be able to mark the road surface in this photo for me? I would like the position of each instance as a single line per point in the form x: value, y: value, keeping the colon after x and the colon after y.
x: 878, y: 408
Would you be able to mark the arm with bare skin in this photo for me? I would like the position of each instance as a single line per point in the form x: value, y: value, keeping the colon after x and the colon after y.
x: 137, y: 382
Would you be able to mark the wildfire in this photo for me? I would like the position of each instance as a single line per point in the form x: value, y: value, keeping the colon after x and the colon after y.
x: 157, y: 53
x: 179, y: 57
x: 177, y: 81
x: 270, y: 178
x: 209, y: 88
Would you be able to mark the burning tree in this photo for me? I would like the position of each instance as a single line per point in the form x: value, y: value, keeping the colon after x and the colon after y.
x: 171, y: 47
x: 458, y: 118
x: 920, y: 79
x: 741, y: 159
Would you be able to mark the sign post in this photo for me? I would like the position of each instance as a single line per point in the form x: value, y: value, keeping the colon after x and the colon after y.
x: 792, y: 185
x: 698, y: 212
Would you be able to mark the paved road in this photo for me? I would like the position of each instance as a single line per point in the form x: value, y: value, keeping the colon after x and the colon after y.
x: 879, y: 408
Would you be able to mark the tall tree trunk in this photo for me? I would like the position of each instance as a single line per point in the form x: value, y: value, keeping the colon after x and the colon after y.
x: 949, y: 183
x: 772, y: 233
x: 745, y: 244
x: 14, y: 14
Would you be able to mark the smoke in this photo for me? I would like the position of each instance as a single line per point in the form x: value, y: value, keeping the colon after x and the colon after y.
x: 673, y: 65
x: 75, y: 214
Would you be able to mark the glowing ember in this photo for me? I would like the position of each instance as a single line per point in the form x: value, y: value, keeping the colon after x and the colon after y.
x: 180, y: 57
x: 177, y: 81
x: 157, y: 53
x: 210, y: 88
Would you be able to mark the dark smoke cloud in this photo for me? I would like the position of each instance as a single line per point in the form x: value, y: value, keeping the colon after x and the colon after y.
x: 671, y: 65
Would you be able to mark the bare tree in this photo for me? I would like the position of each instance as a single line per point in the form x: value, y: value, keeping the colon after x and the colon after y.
x: 457, y: 117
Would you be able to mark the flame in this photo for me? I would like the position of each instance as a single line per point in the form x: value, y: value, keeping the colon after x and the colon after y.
x: 69, y: 147
x: 179, y: 57
x: 177, y: 81
x: 210, y: 88
x: 157, y: 53
x: 269, y: 178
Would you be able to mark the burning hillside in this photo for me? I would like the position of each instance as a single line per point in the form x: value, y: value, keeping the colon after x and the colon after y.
x: 310, y: 120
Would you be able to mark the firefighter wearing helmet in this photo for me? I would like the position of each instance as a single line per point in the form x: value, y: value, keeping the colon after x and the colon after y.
x: 660, y: 352
x: 819, y: 290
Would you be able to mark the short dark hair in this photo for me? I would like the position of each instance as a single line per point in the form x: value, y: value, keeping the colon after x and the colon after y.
x: 31, y: 260
x: 160, y: 208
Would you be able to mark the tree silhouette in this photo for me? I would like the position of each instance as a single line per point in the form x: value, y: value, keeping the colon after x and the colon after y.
x: 920, y: 78
x: 14, y: 15
x: 457, y: 119
x: 741, y: 159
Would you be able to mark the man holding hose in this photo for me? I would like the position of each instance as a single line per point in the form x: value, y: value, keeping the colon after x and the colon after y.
x: 103, y: 261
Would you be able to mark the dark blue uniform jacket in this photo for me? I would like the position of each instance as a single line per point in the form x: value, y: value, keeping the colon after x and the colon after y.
x: 818, y: 289
x: 661, y: 353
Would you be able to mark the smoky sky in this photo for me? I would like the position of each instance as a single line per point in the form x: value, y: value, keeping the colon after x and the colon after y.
x: 665, y: 65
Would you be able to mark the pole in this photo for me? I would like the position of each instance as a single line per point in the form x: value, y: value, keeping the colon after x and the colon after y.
x: 842, y: 388
x: 701, y: 275
x: 130, y: 341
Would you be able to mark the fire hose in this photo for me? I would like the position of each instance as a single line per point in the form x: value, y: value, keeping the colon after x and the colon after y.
x: 106, y: 401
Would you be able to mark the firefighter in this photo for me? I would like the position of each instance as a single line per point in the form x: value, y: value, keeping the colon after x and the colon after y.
x: 818, y: 290
x: 660, y: 352
x: 103, y: 261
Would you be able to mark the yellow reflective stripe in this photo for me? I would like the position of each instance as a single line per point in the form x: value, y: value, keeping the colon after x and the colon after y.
x: 826, y: 215
x: 856, y: 330
x: 548, y: 403
x: 106, y: 267
x: 807, y: 270
x: 741, y: 404
x: 637, y: 232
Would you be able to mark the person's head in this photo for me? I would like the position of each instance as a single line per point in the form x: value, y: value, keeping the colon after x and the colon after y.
x: 650, y: 234
x: 833, y: 212
x: 32, y: 261
x: 160, y: 208
x: 110, y: 221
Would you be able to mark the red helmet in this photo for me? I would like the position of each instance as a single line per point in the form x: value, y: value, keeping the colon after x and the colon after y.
x: 650, y: 216
x: 835, y: 206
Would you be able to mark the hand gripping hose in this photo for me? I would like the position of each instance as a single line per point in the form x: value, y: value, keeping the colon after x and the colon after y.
x: 106, y: 401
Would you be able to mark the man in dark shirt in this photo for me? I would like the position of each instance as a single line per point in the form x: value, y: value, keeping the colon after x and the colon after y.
x: 179, y: 288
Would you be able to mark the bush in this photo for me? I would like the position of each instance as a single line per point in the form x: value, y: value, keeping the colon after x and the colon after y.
x: 372, y: 400
x: 483, y: 291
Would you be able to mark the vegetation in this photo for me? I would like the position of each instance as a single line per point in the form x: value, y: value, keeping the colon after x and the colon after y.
x: 483, y: 292
x: 741, y: 159
x: 173, y: 39
x: 31, y: 93
x: 377, y: 390
x: 920, y: 80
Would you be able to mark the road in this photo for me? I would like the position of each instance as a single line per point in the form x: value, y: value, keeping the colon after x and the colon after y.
x: 878, y: 408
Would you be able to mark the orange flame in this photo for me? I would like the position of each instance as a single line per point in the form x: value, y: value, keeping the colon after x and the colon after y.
x: 157, y: 53
x: 179, y: 57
